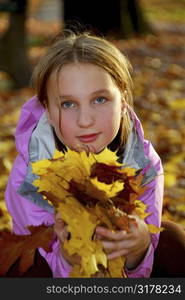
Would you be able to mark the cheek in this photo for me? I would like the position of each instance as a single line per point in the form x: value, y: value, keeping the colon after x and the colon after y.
x: 111, y: 121
x: 67, y: 126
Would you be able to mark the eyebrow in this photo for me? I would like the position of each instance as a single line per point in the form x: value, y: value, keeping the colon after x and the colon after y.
x: 92, y: 94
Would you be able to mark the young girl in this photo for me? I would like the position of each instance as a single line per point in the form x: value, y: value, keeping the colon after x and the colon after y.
x: 84, y: 101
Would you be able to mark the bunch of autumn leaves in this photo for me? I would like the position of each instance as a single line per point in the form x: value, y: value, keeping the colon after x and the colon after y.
x: 91, y: 189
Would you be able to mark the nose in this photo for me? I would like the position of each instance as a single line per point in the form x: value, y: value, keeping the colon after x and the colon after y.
x: 85, y: 117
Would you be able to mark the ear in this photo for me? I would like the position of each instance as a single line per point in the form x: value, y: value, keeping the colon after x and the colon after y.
x: 124, y: 103
x: 123, y: 111
x: 123, y: 107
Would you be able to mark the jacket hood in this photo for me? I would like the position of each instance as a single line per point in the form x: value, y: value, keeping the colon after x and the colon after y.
x: 29, y: 117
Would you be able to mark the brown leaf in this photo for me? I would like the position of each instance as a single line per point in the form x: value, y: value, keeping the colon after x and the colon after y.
x: 23, y: 247
x: 106, y: 173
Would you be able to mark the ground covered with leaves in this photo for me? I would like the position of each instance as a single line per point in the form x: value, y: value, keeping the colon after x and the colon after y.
x: 159, y: 101
x: 158, y: 72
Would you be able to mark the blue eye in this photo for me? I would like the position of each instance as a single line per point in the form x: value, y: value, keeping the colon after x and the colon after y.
x: 100, y: 100
x: 68, y: 104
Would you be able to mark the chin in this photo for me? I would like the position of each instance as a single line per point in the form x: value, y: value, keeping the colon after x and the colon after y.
x: 97, y: 150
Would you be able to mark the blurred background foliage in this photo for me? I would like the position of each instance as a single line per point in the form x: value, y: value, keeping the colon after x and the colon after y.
x: 158, y: 59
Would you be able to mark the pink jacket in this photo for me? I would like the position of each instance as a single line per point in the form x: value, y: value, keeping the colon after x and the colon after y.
x: 25, y: 210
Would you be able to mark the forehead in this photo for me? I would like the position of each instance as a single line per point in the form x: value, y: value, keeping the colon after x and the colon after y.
x: 80, y: 77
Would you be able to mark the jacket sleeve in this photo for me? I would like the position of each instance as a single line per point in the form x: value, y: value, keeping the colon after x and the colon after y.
x: 153, y: 198
x: 25, y: 213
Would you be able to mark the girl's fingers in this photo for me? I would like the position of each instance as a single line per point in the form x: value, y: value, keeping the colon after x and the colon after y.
x: 61, y: 232
x: 98, y: 236
x: 134, y: 223
x: 119, y: 253
x: 58, y: 218
x: 118, y: 245
x: 118, y: 249
x: 60, y: 228
x: 120, y: 234
x: 59, y: 223
x: 113, y: 245
x: 112, y: 235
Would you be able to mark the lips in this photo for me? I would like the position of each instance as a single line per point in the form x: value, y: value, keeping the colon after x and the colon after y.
x: 88, y: 138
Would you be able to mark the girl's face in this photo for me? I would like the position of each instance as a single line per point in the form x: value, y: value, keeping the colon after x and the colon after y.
x: 90, y: 104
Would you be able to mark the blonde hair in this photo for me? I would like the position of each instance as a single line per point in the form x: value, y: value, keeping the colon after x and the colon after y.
x: 86, y: 48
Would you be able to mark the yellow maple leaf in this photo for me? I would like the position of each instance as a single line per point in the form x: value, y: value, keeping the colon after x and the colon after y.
x: 140, y: 209
x: 116, y: 267
x: 58, y: 154
x: 99, y: 212
x: 40, y: 167
x: 107, y: 157
x: 6, y: 219
x: 78, y: 161
x: 111, y: 190
x: 81, y: 242
x: 91, y: 259
x: 128, y: 171
x: 154, y: 229
x: 76, y: 272
x: 53, y: 184
x: 43, y: 185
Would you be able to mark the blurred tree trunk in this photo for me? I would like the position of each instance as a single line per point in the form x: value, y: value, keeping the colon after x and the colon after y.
x: 123, y: 18
x: 13, y: 54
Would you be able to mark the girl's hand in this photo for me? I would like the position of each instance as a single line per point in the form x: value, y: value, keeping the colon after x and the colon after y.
x: 60, y: 228
x: 132, y: 245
